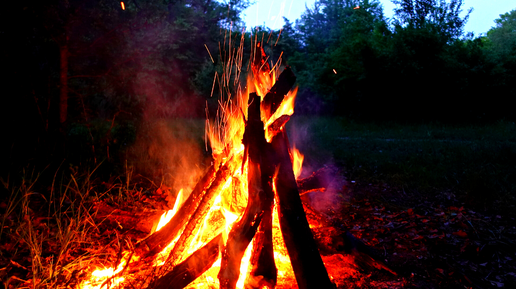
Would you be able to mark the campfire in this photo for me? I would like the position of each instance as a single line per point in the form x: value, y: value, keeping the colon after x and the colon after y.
x: 244, y: 223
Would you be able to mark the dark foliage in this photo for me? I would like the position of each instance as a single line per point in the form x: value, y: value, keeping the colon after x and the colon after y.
x: 417, y: 67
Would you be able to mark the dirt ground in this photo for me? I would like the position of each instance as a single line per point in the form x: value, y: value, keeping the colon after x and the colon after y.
x: 437, y: 241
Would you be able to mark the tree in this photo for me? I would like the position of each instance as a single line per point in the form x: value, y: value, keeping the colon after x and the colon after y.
x: 502, y: 37
x: 335, y: 34
x: 83, y: 68
x: 442, y: 16
x: 500, y: 48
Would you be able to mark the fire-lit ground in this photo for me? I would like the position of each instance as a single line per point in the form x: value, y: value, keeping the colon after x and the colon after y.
x: 431, y: 242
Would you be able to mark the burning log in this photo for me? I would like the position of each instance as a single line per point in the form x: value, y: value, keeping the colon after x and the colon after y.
x: 283, y: 85
x: 127, y: 221
x: 317, y: 180
x: 244, y: 231
x: 241, y: 234
x: 263, y: 269
x: 278, y: 124
x: 160, y: 239
x: 306, y: 261
x: 202, y: 210
x: 191, y: 268
x: 278, y: 91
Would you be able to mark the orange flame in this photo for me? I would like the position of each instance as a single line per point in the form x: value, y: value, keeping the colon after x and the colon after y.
x: 167, y: 216
x: 297, y: 162
x: 225, y: 137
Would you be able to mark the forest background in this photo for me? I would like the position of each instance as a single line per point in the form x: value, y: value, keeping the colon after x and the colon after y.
x: 413, y: 100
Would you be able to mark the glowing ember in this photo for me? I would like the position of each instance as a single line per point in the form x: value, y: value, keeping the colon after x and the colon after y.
x: 123, y: 5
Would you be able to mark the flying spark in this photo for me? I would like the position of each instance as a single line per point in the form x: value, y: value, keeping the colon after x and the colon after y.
x: 123, y: 5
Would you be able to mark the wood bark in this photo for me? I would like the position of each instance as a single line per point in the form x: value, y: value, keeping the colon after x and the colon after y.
x: 275, y: 96
x: 202, y: 210
x: 283, y: 85
x: 318, y: 180
x: 263, y: 270
x: 160, y: 239
x: 191, y: 268
x: 244, y: 230
x: 277, y: 125
x: 306, y: 261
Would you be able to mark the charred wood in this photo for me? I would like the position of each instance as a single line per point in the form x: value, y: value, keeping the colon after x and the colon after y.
x: 275, y: 96
x: 263, y: 270
x: 160, y: 239
x: 306, y: 261
x: 277, y: 125
x: 196, y: 219
x: 244, y: 230
x: 318, y: 180
x: 191, y: 268
x: 283, y: 85
x: 141, y: 221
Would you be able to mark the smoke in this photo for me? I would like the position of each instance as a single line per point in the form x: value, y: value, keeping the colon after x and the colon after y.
x: 169, y: 142
x: 334, y: 194
x: 170, y: 152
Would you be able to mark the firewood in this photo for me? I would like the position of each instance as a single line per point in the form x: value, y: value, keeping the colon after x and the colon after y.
x: 160, y: 239
x: 263, y: 270
x: 244, y: 230
x: 191, y: 268
x: 141, y: 221
x: 306, y: 261
x: 283, y: 84
x: 202, y: 210
x: 277, y: 125
x: 318, y: 180
x: 278, y: 91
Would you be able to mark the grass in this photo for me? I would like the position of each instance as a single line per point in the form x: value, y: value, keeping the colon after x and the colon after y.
x: 479, y: 160
x: 50, y: 237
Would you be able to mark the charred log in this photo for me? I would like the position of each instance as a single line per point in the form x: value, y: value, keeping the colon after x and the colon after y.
x: 318, y: 180
x: 263, y: 268
x: 202, y: 210
x: 242, y: 233
x: 283, y: 84
x: 244, y: 230
x: 306, y: 261
x: 191, y: 268
x: 159, y: 240
x: 278, y: 91
x: 260, y: 64
x: 277, y: 125
x: 142, y: 221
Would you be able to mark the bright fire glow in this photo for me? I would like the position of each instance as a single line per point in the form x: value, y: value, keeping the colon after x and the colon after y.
x: 101, y: 278
x: 225, y: 137
x: 167, y: 216
x: 123, y: 5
